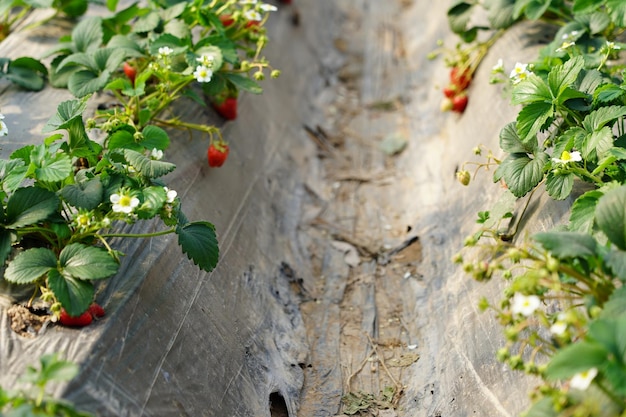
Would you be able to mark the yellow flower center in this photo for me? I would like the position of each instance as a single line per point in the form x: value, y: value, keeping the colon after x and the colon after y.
x: 124, y: 201
x: 566, y: 156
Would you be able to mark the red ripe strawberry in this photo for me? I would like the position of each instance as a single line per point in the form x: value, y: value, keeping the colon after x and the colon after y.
x: 459, y: 103
x: 96, y: 310
x: 285, y: 1
x: 217, y: 154
x: 450, y: 91
x: 83, y: 320
x: 227, y: 20
x: 252, y: 24
x: 461, y: 78
x: 130, y: 72
x: 227, y: 108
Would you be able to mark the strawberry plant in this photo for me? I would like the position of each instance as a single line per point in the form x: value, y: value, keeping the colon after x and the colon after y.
x: 63, y: 199
x: 561, y: 310
x: 162, y: 61
x: 33, y: 399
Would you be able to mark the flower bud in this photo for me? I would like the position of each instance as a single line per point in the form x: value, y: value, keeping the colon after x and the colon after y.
x: 259, y: 75
x: 275, y: 73
x: 464, y: 177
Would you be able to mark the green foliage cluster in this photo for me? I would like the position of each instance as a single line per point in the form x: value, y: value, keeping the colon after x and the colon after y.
x: 562, y: 311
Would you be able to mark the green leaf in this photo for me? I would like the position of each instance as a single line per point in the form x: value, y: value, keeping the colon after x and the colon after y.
x: 583, y: 212
x: 74, y: 294
x: 616, y: 260
x: 51, y: 168
x: 521, y: 173
x: 532, y: 118
x: 606, y: 332
x: 563, y: 76
x: 12, y: 173
x: 54, y: 369
x: 603, y: 116
x: 596, y: 144
x: 123, y: 139
x: 500, y: 13
x: 584, y: 6
x: 616, y: 305
x: 27, y: 72
x: 199, y: 242
x: 459, y: 16
x: 567, y: 244
x: 86, y: 195
x: 510, y: 141
x: 80, y: 59
x: 608, y: 93
x: 243, y: 83
x: 575, y: 358
x: 611, y: 216
x: 146, y: 166
x: 617, y: 11
x: 532, y: 89
x: 82, y: 83
x: 153, y: 199
x: 87, y: 35
x: 30, y: 205
x: 6, y: 238
x: 155, y: 138
x: 177, y: 28
x: 598, y: 22
x: 536, y: 8
x: 66, y: 112
x: 559, y: 186
x: 30, y: 265
x: 147, y: 23
x: 87, y: 262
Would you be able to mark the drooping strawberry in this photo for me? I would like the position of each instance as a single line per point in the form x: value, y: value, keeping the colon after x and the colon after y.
x: 459, y: 103
x: 130, y: 71
x: 460, y: 77
x: 227, y: 20
x: 83, y: 320
x: 227, y: 108
x: 96, y: 310
x: 450, y: 91
x: 217, y: 153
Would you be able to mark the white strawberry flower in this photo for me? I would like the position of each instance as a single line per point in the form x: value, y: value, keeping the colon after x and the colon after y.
x: 583, y: 379
x: 520, y: 72
x: 4, y: 130
x: 499, y: 67
x: 171, y: 194
x: 165, y: 51
x: 124, y: 203
x: 560, y: 325
x: 203, y: 74
x: 525, y: 304
x: 567, y: 157
x: 206, y: 60
x: 252, y: 15
x: 268, y: 7
x: 156, y: 154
